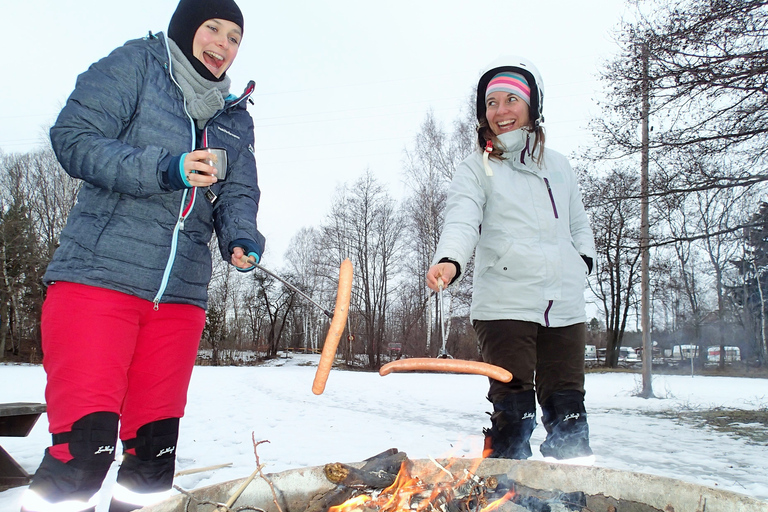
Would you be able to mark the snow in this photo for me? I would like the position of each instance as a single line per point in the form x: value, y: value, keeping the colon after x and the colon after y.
x: 361, y: 414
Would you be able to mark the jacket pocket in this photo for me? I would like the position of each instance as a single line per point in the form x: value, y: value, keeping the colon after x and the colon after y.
x: 523, y: 262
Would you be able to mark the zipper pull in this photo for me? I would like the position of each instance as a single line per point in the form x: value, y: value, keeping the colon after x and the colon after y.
x: 156, y: 303
x: 551, y: 198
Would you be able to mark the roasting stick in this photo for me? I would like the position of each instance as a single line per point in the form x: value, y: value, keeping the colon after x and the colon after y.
x: 445, y: 362
x: 252, y: 261
x: 443, y: 353
x: 340, y: 312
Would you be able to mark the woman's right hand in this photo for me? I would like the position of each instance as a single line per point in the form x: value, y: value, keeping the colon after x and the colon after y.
x: 197, y: 171
x: 442, y: 271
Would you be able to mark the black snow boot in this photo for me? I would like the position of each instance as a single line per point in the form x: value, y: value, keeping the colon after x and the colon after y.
x: 565, y: 419
x: 512, y: 423
x: 55, y: 482
x: 91, y: 443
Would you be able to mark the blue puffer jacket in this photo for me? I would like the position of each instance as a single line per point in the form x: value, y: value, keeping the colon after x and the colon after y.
x: 119, y: 130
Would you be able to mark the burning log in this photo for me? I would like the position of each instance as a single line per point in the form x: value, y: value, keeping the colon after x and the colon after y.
x: 339, y: 473
x: 535, y: 500
x: 377, y: 472
x: 332, y: 498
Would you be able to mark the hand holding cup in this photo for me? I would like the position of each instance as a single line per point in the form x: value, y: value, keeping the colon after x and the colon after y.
x: 205, y: 166
x: 217, y: 159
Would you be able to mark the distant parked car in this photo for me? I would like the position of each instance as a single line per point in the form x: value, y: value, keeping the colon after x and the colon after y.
x: 590, y: 356
x: 628, y: 356
x: 732, y: 354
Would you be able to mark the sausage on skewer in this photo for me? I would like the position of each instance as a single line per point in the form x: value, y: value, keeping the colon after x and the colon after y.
x: 446, y: 365
x: 336, y: 329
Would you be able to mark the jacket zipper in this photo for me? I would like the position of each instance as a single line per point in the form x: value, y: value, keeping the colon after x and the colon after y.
x: 554, y: 209
x: 551, y: 198
x: 489, y: 148
x: 185, y: 211
x: 546, y: 313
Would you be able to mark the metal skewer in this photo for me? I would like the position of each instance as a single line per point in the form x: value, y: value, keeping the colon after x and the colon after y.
x: 443, y: 354
x: 246, y: 259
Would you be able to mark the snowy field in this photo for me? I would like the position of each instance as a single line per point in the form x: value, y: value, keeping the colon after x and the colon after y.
x: 361, y: 414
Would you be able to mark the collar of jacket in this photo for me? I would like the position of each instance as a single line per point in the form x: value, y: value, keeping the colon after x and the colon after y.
x: 517, y: 150
x: 233, y: 101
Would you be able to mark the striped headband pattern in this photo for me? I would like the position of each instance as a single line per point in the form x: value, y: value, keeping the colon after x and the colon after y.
x: 510, y: 82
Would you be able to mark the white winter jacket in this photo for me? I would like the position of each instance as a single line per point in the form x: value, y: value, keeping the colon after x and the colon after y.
x: 529, y: 228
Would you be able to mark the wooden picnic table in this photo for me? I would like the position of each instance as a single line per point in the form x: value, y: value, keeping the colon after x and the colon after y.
x: 16, y: 420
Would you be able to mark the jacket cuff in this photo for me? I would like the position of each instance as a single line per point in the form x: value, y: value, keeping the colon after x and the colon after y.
x: 250, y: 247
x: 174, y: 177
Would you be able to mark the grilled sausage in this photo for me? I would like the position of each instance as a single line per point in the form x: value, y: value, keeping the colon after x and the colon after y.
x: 336, y: 329
x: 446, y: 365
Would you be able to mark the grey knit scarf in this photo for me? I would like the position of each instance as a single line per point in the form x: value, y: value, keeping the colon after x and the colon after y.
x: 204, y: 97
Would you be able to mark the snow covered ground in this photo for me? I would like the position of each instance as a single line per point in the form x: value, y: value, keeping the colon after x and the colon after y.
x: 361, y: 414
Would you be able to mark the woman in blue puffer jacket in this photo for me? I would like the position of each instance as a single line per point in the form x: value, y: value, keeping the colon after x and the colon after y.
x: 517, y: 206
x: 127, y: 287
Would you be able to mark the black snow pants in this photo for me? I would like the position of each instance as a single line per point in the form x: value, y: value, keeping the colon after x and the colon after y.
x: 547, y: 364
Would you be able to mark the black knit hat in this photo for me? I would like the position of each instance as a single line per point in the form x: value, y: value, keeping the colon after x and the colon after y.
x: 188, y: 17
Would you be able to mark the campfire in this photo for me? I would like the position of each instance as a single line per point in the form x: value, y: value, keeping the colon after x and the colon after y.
x: 389, y: 482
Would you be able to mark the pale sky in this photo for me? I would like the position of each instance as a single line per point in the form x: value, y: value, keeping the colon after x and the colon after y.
x: 341, y: 85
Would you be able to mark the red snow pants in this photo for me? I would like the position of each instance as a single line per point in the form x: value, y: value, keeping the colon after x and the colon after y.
x: 107, y: 351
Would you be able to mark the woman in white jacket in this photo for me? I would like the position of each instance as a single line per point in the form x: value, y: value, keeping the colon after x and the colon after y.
x: 517, y: 205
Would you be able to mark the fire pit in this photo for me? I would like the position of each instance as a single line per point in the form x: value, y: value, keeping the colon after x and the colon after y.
x: 479, y: 485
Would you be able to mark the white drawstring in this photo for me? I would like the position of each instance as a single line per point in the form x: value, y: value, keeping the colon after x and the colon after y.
x: 486, y: 154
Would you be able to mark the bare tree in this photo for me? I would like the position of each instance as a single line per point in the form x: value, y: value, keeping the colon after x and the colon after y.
x: 51, y: 194
x: 429, y: 167
x: 615, y: 223
x: 364, y: 225
x: 717, y: 211
x: 703, y: 64
x: 276, y: 303
x: 302, y: 258
x: 21, y: 257
x: 752, y: 294
x: 223, y: 303
x: 681, y: 225
x: 709, y: 73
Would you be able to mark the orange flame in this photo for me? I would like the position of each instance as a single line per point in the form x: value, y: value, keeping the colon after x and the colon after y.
x: 398, y: 495
x: 395, y: 498
x: 351, y: 504
x: 499, y: 502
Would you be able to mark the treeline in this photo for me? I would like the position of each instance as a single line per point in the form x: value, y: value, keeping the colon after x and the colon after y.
x: 703, y: 66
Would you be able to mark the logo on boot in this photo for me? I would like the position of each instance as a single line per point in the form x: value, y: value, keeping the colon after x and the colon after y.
x: 104, y: 449
x: 572, y: 416
x: 166, y: 451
